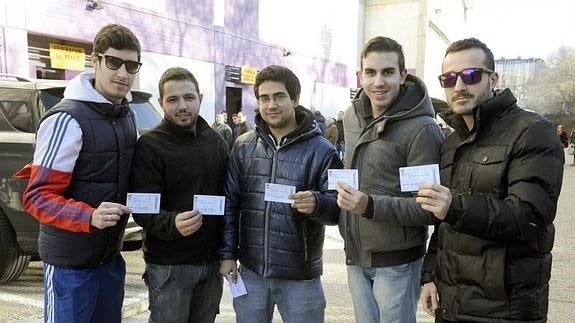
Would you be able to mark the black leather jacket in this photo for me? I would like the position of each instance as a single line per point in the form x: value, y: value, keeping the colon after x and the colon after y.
x: 491, y: 257
x: 273, y: 239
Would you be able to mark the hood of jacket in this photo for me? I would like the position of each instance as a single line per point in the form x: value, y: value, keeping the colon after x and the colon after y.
x: 412, y: 101
x: 80, y: 88
x: 306, y: 126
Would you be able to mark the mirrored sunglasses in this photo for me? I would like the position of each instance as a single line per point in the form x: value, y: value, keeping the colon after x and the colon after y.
x: 114, y: 63
x: 469, y: 76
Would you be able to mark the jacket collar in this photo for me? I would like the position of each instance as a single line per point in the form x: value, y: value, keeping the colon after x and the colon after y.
x: 306, y: 126
x: 483, y: 114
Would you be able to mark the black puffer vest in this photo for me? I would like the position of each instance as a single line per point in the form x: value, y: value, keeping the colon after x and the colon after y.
x: 101, y: 173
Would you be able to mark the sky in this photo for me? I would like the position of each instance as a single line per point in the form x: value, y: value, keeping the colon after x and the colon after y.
x: 526, y: 28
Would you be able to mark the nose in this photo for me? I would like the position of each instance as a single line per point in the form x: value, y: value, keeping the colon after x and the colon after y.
x: 182, y: 106
x: 459, y: 84
x: 122, y: 71
x: 379, y: 79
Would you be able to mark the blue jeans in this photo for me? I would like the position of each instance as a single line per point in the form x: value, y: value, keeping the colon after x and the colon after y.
x: 385, y: 294
x: 84, y: 294
x: 298, y: 301
x: 184, y: 293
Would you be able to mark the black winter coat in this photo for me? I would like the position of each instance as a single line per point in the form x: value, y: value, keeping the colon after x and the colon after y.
x: 179, y: 163
x: 491, y: 257
x: 273, y: 239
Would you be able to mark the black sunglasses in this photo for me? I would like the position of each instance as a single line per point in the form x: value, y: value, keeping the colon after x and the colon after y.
x: 469, y: 76
x: 114, y: 63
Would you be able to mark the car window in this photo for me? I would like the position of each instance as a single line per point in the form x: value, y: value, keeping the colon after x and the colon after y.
x: 147, y: 116
x: 15, y: 110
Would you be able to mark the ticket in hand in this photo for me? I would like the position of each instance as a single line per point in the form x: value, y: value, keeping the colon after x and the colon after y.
x: 145, y: 203
x: 238, y: 288
x: 210, y: 204
x: 411, y: 177
x: 348, y: 176
x: 278, y: 193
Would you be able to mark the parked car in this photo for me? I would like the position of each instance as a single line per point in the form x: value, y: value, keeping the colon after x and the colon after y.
x: 23, y: 102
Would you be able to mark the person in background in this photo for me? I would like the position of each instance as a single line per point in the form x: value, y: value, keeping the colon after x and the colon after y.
x: 79, y: 180
x: 180, y: 158
x: 279, y: 245
x: 234, y: 126
x: 243, y: 126
x: 489, y: 259
x: 572, y: 144
x: 320, y: 120
x: 389, y: 125
x: 562, y: 136
x: 222, y: 127
x: 331, y: 131
x: 340, y: 134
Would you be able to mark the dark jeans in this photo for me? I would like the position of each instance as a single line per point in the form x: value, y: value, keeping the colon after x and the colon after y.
x: 184, y: 293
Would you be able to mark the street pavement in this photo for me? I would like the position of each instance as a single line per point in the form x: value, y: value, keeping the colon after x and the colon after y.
x: 21, y: 300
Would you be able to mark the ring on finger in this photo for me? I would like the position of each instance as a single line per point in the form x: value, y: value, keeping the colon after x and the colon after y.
x: 109, y: 217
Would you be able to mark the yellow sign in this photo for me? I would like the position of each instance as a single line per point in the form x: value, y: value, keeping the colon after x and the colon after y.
x: 248, y: 74
x: 67, y: 57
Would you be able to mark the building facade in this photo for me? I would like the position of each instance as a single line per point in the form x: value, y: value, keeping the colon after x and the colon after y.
x: 423, y: 27
x: 223, y: 42
x: 516, y: 74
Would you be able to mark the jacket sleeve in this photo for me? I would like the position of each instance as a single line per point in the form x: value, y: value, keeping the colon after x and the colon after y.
x: 423, y: 149
x: 533, y: 180
x: 327, y: 210
x: 233, y: 189
x: 147, y: 177
x: 58, y: 145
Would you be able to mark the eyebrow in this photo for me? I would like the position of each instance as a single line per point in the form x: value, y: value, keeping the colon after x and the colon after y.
x: 273, y: 94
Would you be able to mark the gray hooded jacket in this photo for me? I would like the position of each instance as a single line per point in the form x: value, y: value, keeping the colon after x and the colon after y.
x: 395, y: 232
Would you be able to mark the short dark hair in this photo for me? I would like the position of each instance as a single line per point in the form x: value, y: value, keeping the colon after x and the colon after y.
x: 383, y: 44
x: 469, y: 43
x: 176, y: 74
x: 280, y: 74
x: 117, y: 37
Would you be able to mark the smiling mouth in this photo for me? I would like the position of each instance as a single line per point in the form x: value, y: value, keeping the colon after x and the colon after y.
x: 379, y: 93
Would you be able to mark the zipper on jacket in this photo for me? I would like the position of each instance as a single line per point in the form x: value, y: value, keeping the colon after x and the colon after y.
x: 267, y: 215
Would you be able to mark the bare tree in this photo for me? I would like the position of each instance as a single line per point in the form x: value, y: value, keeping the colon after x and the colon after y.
x: 553, y: 90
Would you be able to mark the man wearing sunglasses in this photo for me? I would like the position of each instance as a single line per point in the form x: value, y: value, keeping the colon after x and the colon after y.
x: 79, y: 181
x: 489, y: 260
x: 389, y: 125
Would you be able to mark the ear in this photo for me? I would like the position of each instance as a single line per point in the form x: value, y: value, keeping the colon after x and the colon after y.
x: 403, y: 75
x: 200, y: 97
x: 94, y: 58
x: 359, y: 75
x: 295, y: 101
x: 494, y: 78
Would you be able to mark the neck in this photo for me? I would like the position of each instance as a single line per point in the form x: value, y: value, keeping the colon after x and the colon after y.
x: 469, y: 121
x: 376, y: 113
x: 279, y: 133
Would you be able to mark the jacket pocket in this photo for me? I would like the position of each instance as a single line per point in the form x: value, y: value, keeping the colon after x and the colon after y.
x: 489, y: 165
